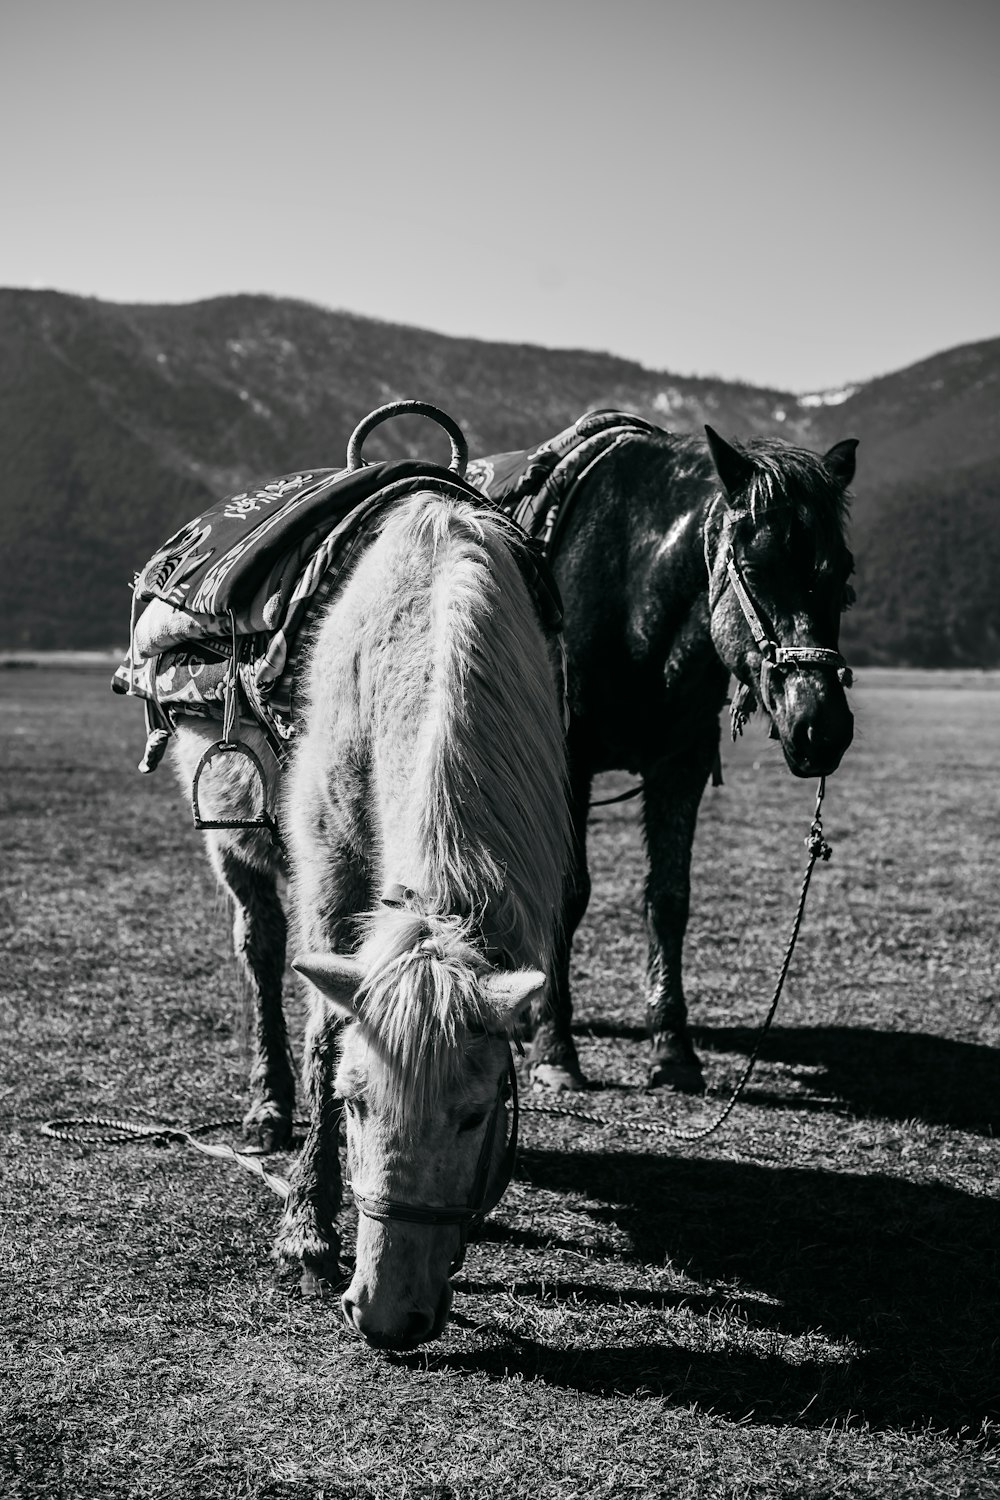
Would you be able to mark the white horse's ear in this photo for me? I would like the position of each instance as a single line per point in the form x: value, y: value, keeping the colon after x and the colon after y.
x: 511, y: 992
x: 334, y: 975
x: 733, y: 468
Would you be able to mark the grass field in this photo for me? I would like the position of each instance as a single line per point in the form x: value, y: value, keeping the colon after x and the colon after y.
x: 808, y: 1304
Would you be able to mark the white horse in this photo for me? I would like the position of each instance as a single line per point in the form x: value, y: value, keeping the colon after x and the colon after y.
x: 425, y: 817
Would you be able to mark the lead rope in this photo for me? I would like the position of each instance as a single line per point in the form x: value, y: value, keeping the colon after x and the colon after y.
x: 115, y: 1132
x: 818, y: 849
x: 119, y: 1132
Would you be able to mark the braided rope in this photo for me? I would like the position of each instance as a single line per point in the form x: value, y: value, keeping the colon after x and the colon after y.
x: 818, y: 849
x: 112, y: 1131
x: 117, y: 1132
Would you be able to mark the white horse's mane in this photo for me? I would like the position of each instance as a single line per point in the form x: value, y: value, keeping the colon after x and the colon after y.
x: 461, y: 725
x: 423, y: 1008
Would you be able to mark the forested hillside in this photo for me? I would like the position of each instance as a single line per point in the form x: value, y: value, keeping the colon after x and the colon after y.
x: 117, y: 423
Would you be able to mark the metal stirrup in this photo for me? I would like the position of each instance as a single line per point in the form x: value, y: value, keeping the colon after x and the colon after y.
x: 229, y: 745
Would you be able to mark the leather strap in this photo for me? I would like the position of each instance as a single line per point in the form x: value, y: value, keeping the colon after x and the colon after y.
x: 480, y: 1202
x: 774, y: 654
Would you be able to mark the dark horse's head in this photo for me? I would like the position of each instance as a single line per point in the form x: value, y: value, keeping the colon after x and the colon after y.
x: 778, y: 568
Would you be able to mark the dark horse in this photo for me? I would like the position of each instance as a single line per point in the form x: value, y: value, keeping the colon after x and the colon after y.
x: 681, y: 561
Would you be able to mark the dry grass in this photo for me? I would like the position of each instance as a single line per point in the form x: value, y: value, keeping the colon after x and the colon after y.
x: 806, y: 1305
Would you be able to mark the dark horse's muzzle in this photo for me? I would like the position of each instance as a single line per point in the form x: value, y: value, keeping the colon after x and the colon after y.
x: 802, y: 690
x: 808, y: 708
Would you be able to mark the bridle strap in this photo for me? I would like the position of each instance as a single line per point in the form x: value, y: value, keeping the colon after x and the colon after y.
x: 773, y: 654
x: 480, y: 1202
x: 506, y: 1172
x: 765, y: 645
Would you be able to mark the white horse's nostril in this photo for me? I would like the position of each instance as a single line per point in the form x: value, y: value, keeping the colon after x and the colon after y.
x: 410, y: 1328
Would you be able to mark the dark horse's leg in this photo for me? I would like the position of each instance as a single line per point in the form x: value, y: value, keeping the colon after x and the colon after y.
x: 672, y: 794
x: 554, y: 1063
x: 259, y: 930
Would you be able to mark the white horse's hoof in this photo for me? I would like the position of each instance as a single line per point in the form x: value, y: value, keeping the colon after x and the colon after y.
x: 554, y: 1079
x: 268, y: 1126
x: 313, y: 1287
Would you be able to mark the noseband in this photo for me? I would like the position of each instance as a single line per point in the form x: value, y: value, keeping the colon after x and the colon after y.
x: 774, y: 654
x: 481, y: 1200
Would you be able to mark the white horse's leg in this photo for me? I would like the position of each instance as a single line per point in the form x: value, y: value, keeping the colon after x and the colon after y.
x: 308, y: 1235
x: 331, y: 886
x: 259, y: 939
x: 554, y: 1061
x: 247, y: 864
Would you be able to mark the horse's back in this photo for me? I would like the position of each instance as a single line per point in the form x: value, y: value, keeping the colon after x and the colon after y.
x: 433, y: 733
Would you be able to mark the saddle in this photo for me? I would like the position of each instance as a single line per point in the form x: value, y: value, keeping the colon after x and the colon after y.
x: 222, y: 609
x: 536, y: 487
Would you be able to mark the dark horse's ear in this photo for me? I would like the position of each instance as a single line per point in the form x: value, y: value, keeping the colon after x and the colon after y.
x: 734, y: 468
x: 840, y: 461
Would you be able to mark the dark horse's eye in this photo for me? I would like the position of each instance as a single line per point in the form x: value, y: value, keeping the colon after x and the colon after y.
x: 472, y: 1122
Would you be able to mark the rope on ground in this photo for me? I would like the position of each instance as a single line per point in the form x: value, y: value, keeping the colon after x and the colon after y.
x: 114, y: 1132
x: 818, y: 849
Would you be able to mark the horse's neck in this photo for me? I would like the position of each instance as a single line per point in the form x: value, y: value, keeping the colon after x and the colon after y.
x: 470, y: 821
x: 679, y: 583
x: 672, y: 522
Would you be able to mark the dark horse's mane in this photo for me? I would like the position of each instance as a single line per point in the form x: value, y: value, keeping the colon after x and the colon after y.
x: 790, y: 488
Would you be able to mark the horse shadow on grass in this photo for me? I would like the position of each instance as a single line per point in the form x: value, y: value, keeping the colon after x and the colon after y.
x: 890, y: 1075
x: 890, y: 1290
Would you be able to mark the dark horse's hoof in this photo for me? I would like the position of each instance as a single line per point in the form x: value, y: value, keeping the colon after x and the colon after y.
x: 321, y: 1273
x: 314, y: 1286
x: 553, y: 1064
x: 674, y: 1065
x: 680, y: 1078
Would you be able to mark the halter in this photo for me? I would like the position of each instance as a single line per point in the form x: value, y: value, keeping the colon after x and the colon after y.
x: 481, y: 1201
x: 773, y: 654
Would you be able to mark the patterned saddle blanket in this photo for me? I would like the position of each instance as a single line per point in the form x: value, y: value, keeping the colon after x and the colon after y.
x: 536, y: 487
x: 245, y: 581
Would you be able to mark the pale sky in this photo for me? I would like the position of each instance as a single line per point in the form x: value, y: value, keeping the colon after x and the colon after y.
x: 799, y: 193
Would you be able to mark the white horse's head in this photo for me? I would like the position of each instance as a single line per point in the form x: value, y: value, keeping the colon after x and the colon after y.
x: 425, y: 1075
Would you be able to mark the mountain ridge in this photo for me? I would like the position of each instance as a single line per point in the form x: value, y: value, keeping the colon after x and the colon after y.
x: 120, y: 421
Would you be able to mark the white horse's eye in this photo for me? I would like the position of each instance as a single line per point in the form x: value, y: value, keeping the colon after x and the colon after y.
x: 356, y: 1108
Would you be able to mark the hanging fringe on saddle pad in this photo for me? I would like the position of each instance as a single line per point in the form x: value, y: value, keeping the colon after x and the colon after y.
x: 247, y: 575
x: 232, y: 595
x: 535, y: 487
